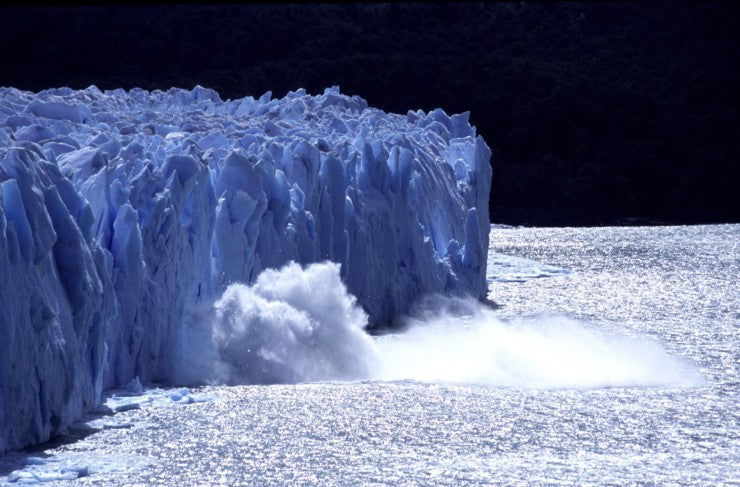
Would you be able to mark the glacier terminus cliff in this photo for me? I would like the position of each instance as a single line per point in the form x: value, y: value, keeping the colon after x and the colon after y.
x: 125, y: 215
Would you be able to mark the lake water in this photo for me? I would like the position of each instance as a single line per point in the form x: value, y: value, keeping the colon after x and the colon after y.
x: 611, y: 358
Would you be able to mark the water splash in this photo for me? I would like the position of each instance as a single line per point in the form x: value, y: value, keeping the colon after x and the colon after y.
x: 293, y: 325
x: 464, y: 342
x: 301, y: 325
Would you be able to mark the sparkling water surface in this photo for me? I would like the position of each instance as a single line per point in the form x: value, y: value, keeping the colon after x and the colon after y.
x: 675, y: 287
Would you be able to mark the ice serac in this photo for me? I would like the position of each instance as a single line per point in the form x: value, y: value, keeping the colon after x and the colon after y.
x: 125, y: 214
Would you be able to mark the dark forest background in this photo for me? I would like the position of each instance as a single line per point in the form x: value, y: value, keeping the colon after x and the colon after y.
x: 597, y: 113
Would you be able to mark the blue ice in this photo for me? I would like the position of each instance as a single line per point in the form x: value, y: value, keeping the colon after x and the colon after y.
x: 125, y: 214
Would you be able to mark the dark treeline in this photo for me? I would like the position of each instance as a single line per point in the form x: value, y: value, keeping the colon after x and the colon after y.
x: 596, y: 113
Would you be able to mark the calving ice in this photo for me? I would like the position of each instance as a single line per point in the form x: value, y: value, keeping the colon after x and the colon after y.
x: 125, y: 215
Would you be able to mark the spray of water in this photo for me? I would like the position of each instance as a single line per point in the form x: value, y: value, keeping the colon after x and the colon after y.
x: 464, y: 342
x: 301, y: 325
x: 293, y: 325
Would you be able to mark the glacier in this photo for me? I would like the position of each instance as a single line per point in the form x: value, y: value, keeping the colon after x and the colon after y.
x: 125, y: 215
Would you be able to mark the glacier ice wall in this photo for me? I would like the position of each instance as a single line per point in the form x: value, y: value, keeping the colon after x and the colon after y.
x: 125, y: 213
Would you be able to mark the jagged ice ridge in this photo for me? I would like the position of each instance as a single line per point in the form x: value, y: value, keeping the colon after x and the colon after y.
x: 124, y: 214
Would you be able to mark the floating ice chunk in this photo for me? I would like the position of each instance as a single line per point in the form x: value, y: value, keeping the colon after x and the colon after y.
x: 127, y: 406
x: 34, y: 475
x: 508, y: 268
x: 135, y: 386
x: 66, y: 467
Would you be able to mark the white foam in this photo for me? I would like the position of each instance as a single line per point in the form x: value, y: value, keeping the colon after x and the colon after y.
x: 463, y: 342
x: 293, y: 325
